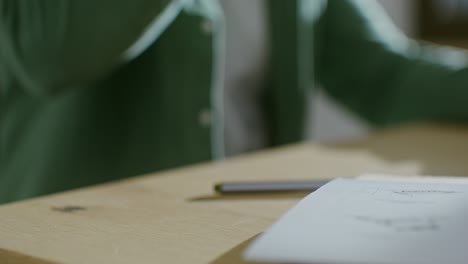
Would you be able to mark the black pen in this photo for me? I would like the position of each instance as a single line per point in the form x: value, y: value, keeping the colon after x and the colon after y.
x: 268, y: 186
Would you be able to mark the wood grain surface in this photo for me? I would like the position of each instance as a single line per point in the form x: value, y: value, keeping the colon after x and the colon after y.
x: 175, y: 217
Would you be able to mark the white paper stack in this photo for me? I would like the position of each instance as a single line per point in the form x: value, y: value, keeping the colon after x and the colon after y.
x: 359, y: 221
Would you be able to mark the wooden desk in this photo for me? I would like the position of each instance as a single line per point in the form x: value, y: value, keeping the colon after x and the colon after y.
x: 174, y: 217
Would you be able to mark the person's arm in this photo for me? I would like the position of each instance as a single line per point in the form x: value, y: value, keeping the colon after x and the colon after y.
x: 368, y: 65
x: 50, y: 45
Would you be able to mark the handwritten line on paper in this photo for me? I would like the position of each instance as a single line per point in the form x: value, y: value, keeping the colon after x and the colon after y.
x: 415, y: 192
x: 413, y: 224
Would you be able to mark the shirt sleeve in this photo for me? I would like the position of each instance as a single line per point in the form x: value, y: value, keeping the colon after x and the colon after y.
x: 365, y: 62
x: 50, y: 45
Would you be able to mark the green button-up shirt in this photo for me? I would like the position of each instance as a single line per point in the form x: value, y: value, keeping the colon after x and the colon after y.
x: 83, y: 100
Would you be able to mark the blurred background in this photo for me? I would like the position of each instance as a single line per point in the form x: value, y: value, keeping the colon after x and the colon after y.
x: 440, y: 21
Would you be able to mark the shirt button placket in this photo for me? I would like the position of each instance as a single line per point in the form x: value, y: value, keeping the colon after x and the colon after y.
x: 204, y: 118
x: 206, y: 26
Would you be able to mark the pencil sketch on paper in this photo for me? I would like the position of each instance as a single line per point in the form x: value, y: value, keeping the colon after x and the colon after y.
x: 355, y: 221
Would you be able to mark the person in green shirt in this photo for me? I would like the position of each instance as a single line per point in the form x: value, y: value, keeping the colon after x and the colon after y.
x: 93, y: 91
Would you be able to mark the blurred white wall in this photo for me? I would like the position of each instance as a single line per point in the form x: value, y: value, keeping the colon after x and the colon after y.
x: 331, y: 122
x: 403, y: 13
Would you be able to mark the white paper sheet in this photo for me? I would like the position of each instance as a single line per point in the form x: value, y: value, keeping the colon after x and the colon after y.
x: 357, y: 221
